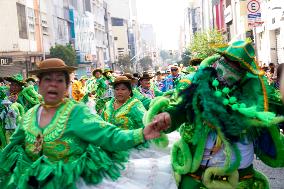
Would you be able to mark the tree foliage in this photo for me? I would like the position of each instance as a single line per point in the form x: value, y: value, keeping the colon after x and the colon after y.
x: 124, y: 63
x: 185, y: 57
x: 66, y: 53
x: 169, y: 56
x: 164, y: 55
x: 203, y: 43
x: 146, y: 63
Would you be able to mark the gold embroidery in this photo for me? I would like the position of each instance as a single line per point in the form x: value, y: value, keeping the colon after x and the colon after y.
x: 38, y: 144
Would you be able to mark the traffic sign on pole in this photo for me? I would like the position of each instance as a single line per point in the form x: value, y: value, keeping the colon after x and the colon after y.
x: 254, y: 13
x: 253, y: 6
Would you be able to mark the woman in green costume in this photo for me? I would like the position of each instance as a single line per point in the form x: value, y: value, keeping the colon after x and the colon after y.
x: 3, y: 91
x: 26, y: 96
x: 134, y: 81
x: 61, y: 144
x: 224, y: 119
x: 126, y: 112
x: 123, y: 110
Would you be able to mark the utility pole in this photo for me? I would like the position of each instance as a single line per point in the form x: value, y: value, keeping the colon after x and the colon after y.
x: 40, y: 30
x: 255, y: 43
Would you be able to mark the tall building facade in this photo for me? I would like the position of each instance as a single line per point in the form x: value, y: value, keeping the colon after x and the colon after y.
x: 270, y: 36
x: 230, y: 17
x: 125, y: 28
x: 32, y: 27
x: 24, y: 35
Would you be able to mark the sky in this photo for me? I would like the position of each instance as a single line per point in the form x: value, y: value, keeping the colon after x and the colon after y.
x: 166, y: 16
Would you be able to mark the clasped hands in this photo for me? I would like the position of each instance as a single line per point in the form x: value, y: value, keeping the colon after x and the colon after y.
x: 160, y: 123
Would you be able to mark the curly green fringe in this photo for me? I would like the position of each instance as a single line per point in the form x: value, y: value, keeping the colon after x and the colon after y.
x: 181, y: 157
x: 94, y: 165
x: 210, y: 60
x: 157, y: 105
x: 231, y: 183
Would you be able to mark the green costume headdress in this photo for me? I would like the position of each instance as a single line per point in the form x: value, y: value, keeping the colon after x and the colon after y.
x: 243, y: 53
x: 188, y: 70
x: 3, y: 92
x: 84, y: 77
x: 18, y: 78
x: 107, y: 70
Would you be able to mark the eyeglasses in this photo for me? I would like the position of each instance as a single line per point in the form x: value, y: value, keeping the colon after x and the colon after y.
x: 174, y: 70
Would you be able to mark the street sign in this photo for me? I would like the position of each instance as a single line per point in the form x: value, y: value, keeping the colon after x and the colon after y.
x: 253, y: 6
x: 4, y: 61
x: 254, y: 13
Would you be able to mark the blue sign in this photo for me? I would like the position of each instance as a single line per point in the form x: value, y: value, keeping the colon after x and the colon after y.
x: 72, y: 28
x: 257, y: 15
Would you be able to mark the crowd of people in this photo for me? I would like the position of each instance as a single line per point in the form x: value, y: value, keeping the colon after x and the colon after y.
x: 195, y: 127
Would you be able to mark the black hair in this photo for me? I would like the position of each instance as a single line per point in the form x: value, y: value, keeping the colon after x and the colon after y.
x: 127, y: 84
x: 66, y: 75
x: 279, y: 71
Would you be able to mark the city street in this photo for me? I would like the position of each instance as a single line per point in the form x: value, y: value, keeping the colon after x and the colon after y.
x: 275, y: 175
x: 141, y: 94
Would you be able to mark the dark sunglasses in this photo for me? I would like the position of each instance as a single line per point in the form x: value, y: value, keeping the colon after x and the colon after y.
x: 174, y: 70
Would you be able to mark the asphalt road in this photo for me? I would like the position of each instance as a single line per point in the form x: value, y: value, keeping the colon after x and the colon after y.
x: 275, y: 175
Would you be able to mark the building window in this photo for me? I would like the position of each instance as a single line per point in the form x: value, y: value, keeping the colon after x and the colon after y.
x: 21, y: 13
x: 87, y: 5
x: 115, y: 38
x: 117, y: 22
x: 228, y: 2
x: 31, y: 23
x: 73, y: 3
x: 44, y: 24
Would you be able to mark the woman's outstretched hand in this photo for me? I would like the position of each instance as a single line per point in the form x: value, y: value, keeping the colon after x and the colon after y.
x: 160, y: 123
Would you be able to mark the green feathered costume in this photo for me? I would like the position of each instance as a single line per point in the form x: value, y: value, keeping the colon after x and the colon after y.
x: 234, y: 114
x: 3, y: 92
x: 75, y: 144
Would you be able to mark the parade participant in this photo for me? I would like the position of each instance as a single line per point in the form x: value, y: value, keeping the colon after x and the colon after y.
x: 77, y: 90
x: 99, y: 89
x: 8, y: 117
x: 124, y: 110
x: 146, y: 88
x: 135, y: 90
x: 3, y: 96
x: 279, y: 71
x: 83, y: 80
x: 107, y: 90
x: 159, y: 80
x: 278, y: 85
x: 26, y: 96
x: 60, y: 144
x: 1, y: 82
x: 32, y: 81
x: 108, y: 75
x: 135, y: 80
x: 95, y: 90
x: 171, y: 80
x: 224, y: 120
